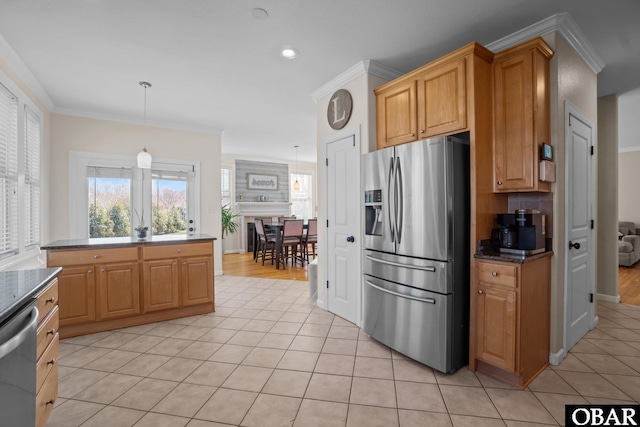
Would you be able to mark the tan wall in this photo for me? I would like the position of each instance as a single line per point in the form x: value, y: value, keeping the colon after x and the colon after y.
x: 628, y: 179
x: 573, y: 81
x: 46, y: 143
x: 108, y: 137
x: 362, y: 118
x: 607, y: 229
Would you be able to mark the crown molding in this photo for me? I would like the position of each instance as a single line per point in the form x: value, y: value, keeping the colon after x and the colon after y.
x: 360, y: 68
x: 20, y: 68
x: 563, y: 24
x: 121, y: 119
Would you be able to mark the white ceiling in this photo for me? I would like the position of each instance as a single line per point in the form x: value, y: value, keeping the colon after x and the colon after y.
x: 214, y: 67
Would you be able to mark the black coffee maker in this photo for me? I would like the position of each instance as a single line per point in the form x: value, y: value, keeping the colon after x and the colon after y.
x: 520, y: 233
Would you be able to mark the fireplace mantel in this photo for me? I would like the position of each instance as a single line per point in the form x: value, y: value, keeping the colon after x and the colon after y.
x: 249, y: 210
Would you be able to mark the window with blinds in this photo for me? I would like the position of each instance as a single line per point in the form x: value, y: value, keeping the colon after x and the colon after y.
x: 225, y: 186
x: 32, y: 177
x: 8, y: 172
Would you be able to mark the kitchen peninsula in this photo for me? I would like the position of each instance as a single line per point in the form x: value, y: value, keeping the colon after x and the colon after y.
x: 112, y: 283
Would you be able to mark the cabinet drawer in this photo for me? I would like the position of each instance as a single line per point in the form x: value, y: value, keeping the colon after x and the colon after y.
x: 92, y: 256
x: 497, y: 274
x: 174, y: 251
x: 47, y: 330
x: 46, y: 398
x: 47, y: 300
x: 47, y: 362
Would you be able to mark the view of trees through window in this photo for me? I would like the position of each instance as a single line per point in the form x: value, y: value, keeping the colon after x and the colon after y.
x: 109, y: 207
x: 169, y: 202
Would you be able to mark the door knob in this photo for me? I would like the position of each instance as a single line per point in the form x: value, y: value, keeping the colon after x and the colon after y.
x: 574, y: 245
x: 351, y: 239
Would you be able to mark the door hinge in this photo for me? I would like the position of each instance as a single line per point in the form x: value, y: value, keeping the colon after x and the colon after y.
x: 591, y: 298
x: 327, y: 284
x: 327, y: 161
x: 327, y: 223
x: 592, y: 150
x: 592, y: 225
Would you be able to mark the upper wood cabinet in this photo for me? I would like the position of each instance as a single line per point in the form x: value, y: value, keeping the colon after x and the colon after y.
x: 521, y: 115
x: 432, y: 100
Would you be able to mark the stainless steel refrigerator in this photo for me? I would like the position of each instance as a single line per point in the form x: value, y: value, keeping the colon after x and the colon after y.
x: 416, y: 249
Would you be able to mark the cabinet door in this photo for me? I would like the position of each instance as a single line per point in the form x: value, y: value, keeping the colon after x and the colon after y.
x: 77, y: 295
x: 119, y: 290
x: 514, y: 124
x: 396, y: 115
x: 496, y: 323
x: 197, y: 280
x: 442, y: 100
x: 161, y: 285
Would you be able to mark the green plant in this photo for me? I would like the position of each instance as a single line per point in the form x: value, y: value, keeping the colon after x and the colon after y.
x: 229, y: 224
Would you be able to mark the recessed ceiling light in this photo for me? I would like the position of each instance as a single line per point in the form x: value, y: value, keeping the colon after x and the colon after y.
x: 289, y: 52
x: 259, y: 14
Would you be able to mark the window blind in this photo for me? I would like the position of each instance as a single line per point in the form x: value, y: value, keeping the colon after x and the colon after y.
x: 8, y: 172
x: 171, y: 175
x: 107, y: 172
x: 32, y: 177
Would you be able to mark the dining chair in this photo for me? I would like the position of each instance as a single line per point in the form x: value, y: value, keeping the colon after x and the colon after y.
x: 282, y: 219
x: 265, y: 242
x: 310, y: 238
x: 265, y: 220
x: 292, y: 239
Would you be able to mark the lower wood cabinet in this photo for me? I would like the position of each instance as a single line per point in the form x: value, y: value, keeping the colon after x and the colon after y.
x: 512, y: 319
x: 107, y: 288
x: 47, y: 341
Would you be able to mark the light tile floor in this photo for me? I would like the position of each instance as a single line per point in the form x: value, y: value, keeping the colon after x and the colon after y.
x: 269, y: 357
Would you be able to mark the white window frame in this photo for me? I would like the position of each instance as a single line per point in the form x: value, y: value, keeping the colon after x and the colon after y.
x: 232, y: 183
x: 78, y: 187
x: 311, y: 190
x: 24, y: 253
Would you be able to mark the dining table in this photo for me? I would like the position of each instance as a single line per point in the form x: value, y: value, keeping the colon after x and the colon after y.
x: 277, y: 227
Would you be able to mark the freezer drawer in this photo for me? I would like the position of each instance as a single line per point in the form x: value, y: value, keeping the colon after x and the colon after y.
x: 419, y: 273
x: 413, y: 322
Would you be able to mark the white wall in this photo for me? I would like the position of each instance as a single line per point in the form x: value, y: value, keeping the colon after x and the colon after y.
x: 109, y: 137
x: 629, y: 126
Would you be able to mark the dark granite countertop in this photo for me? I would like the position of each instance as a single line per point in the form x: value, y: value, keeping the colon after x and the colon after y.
x: 18, y: 287
x: 516, y: 259
x: 113, y: 242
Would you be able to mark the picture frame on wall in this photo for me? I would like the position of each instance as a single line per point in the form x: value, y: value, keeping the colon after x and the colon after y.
x: 262, y: 182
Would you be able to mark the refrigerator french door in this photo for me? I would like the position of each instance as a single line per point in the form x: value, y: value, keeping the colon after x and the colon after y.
x: 416, y: 249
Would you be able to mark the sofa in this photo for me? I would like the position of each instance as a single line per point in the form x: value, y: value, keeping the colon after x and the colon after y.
x: 628, y: 244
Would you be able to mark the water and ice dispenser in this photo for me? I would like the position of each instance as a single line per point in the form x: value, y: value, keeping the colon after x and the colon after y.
x: 373, y: 212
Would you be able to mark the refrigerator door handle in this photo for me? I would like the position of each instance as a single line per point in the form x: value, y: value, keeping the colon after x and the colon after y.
x: 397, y: 264
x: 387, y: 291
x: 392, y: 218
x: 399, y: 201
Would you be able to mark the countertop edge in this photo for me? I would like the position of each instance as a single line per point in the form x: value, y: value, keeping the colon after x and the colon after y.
x: 86, y: 244
x: 18, y: 304
x: 496, y: 256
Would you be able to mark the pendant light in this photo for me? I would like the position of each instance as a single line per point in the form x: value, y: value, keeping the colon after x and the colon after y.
x: 144, y: 158
x: 296, y: 184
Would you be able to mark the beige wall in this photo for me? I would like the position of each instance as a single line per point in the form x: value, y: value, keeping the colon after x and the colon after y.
x: 628, y: 179
x: 362, y: 118
x: 108, y: 137
x: 607, y: 229
x: 571, y: 81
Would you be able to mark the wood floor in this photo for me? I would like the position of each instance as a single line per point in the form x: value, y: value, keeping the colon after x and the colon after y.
x: 629, y: 284
x: 244, y: 265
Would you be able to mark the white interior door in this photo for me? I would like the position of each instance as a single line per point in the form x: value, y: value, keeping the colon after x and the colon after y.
x: 343, y: 229
x: 579, y: 311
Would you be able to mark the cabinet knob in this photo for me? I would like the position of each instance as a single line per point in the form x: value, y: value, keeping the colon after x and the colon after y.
x: 103, y: 270
x: 96, y: 256
x: 51, y: 332
x: 413, y: 134
x: 480, y: 291
x: 51, y: 362
x: 50, y: 300
x: 499, y: 182
x: 184, y: 262
x: 90, y: 271
x: 494, y: 274
x: 50, y: 402
x: 421, y: 130
x: 179, y: 250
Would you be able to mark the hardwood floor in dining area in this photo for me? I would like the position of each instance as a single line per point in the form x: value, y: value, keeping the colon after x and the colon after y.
x: 629, y: 284
x: 244, y: 265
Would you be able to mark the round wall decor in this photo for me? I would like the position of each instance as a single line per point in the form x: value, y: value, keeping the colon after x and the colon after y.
x: 339, y: 109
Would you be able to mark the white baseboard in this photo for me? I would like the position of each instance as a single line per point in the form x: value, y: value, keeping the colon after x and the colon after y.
x: 218, y: 273
x: 232, y: 251
x: 609, y: 298
x: 556, y: 358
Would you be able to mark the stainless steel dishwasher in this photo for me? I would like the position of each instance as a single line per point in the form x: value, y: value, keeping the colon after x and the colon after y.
x: 18, y: 367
